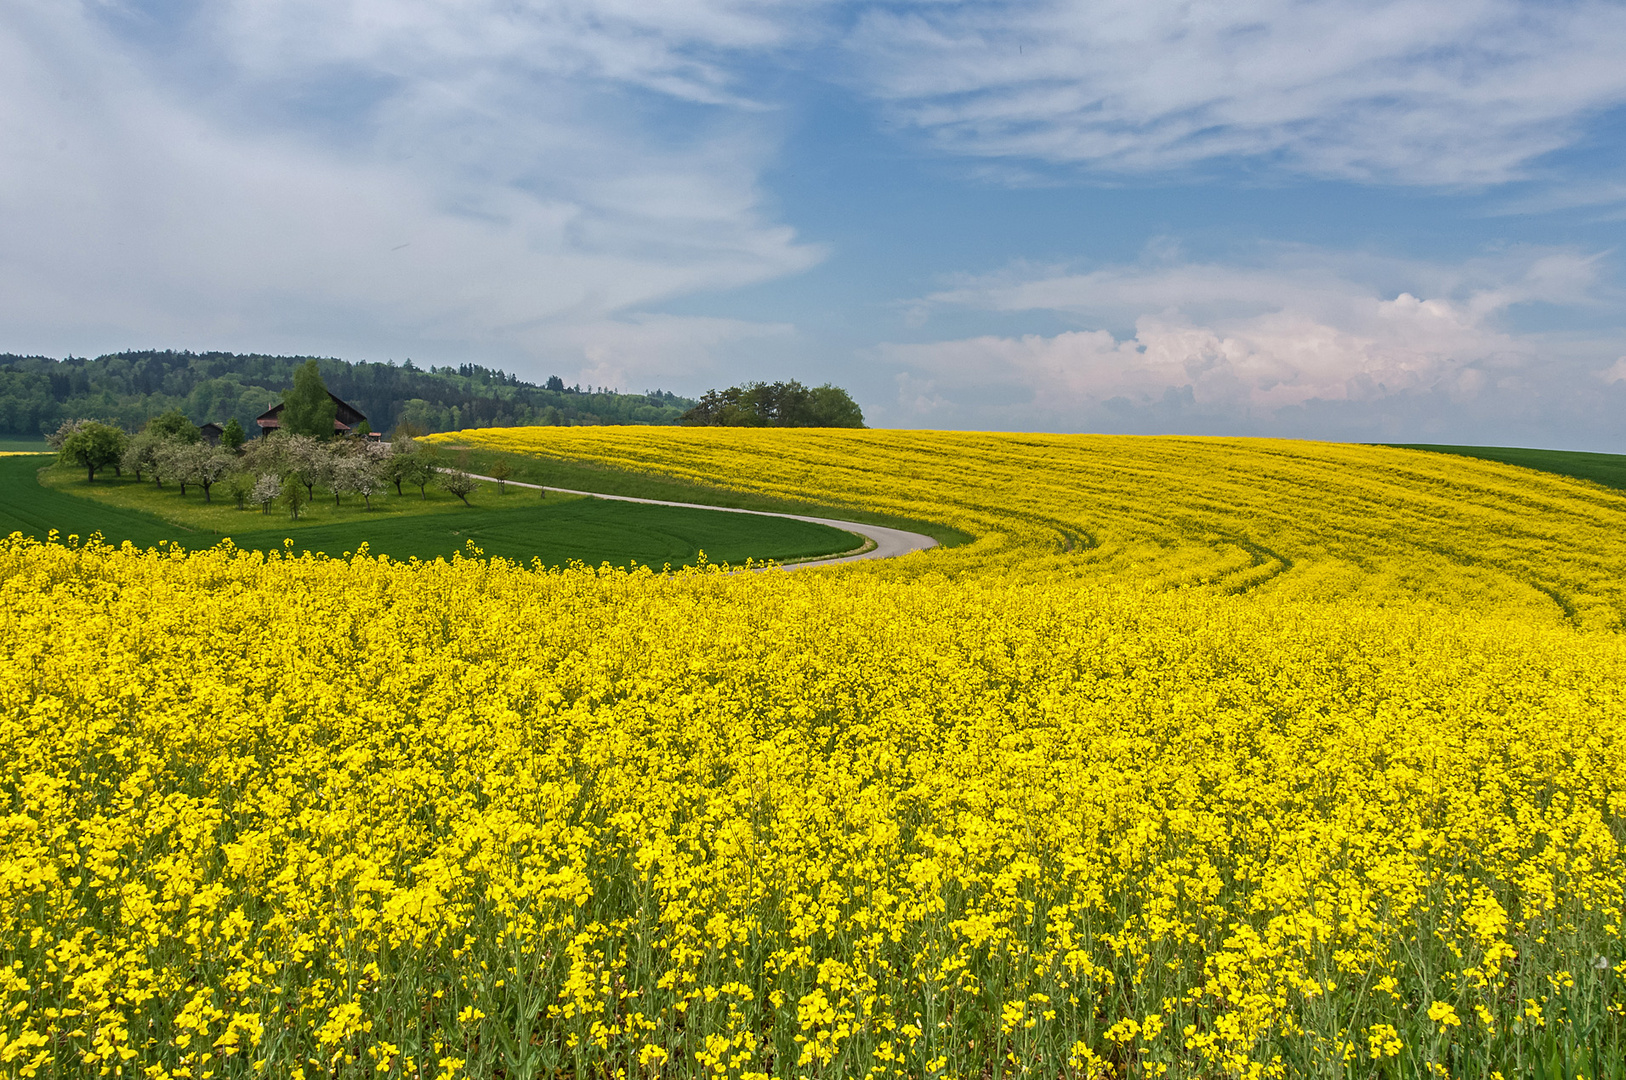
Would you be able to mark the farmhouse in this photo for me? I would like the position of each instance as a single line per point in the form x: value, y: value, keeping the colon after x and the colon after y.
x: 345, y: 419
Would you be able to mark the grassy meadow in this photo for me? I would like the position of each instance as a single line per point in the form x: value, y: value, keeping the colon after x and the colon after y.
x: 647, y: 484
x: 519, y: 525
x: 1202, y: 758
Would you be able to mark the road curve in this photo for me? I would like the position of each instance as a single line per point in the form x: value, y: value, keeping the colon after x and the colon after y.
x: 888, y: 542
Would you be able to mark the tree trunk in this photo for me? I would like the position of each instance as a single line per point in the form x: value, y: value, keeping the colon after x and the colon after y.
x: 92, y: 470
x: 206, y: 493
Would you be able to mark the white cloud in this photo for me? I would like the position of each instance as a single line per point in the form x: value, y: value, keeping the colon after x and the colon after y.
x: 679, y: 48
x: 644, y: 351
x: 1284, y: 277
x: 1256, y: 348
x: 1605, y: 199
x: 481, y: 201
x: 1408, y: 91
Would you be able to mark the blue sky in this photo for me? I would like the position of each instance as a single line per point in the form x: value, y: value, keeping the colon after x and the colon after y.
x: 1372, y: 221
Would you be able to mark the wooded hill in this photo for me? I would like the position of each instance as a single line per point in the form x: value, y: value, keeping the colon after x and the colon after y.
x: 37, y: 393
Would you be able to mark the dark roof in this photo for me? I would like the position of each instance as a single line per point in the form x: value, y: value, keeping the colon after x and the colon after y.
x: 345, y: 418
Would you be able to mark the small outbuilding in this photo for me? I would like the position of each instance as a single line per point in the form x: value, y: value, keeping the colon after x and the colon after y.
x: 211, y: 433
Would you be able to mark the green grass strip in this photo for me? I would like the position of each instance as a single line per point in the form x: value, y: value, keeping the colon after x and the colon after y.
x: 519, y: 526
x: 584, y: 476
x: 28, y: 507
x: 1606, y: 469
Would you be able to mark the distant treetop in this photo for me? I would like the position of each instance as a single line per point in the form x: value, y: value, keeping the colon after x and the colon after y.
x: 308, y: 408
x: 173, y: 425
x: 780, y: 404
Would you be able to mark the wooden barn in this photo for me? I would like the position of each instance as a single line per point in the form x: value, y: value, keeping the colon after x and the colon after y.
x: 345, y: 420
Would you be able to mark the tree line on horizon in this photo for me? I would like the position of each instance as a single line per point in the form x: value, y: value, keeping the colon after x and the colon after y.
x: 779, y: 404
x: 38, y: 393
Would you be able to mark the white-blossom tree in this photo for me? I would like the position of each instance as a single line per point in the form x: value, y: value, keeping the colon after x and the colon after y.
x: 307, y: 460
x: 357, y: 473
x: 181, y: 462
x: 266, y: 490
x: 141, y: 455
x: 213, y: 463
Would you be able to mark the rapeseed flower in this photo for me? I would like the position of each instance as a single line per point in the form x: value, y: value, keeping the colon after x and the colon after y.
x: 1205, y: 758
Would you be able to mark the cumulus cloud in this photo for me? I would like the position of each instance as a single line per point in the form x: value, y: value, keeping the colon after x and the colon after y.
x: 1408, y: 91
x: 457, y: 187
x: 1303, y: 346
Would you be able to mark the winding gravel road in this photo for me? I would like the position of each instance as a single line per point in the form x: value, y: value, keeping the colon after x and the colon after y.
x: 888, y: 542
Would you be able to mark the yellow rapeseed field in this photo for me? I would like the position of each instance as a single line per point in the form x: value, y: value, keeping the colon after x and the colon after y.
x: 1207, y: 758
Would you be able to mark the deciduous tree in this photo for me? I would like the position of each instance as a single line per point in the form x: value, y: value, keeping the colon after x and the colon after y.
x: 309, y: 409
x: 93, y: 446
x: 181, y: 462
x: 306, y: 460
x: 267, y: 455
x: 294, y: 495
x: 457, y: 482
x: 241, y: 485
x: 175, y: 426
x: 141, y: 455
x: 422, y: 466
x: 213, y: 463
x: 66, y: 429
x: 780, y: 404
x: 358, y: 474
x: 501, y: 470
x: 397, y: 463
x: 266, y: 490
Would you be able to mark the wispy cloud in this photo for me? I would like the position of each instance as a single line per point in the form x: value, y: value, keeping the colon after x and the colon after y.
x: 685, y: 49
x: 1601, y: 199
x: 1284, y: 276
x: 491, y: 188
x: 1403, y: 91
